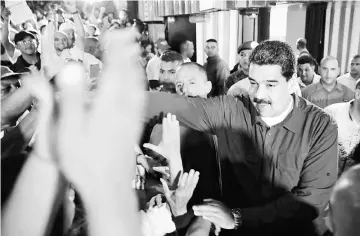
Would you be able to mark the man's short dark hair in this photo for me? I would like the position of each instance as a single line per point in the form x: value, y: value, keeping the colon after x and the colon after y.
x: 301, y: 43
x: 306, y: 59
x: 171, y: 56
x: 211, y: 41
x: 356, y: 57
x: 275, y: 53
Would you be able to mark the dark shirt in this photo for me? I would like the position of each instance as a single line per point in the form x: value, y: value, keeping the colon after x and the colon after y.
x: 234, y: 78
x: 217, y: 71
x: 281, y: 177
x: 317, y: 94
x: 21, y: 65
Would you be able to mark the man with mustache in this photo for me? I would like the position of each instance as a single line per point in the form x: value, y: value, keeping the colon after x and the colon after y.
x: 278, y: 152
x: 328, y: 91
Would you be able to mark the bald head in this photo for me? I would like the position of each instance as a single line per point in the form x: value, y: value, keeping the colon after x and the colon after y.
x: 92, y: 46
x: 329, y: 58
x: 345, y: 204
x: 191, y: 80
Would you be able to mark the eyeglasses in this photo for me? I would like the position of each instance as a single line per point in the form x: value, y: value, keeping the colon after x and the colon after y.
x: 27, y: 42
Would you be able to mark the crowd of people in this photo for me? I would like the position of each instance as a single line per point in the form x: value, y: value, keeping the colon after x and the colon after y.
x: 104, y: 132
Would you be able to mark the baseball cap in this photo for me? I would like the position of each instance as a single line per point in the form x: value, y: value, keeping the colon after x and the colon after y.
x: 21, y: 35
x: 162, y: 44
x: 249, y: 45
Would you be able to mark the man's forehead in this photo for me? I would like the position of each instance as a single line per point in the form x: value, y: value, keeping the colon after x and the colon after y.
x: 330, y: 63
x: 169, y: 65
x: 263, y: 73
x: 211, y: 44
x: 246, y: 51
x: 188, y: 73
x: 305, y: 65
x: 355, y: 60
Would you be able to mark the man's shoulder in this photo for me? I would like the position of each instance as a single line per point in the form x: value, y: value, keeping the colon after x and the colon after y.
x: 343, y: 77
x: 337, y: 108
x: 310, y: 89
x: 316, y: 115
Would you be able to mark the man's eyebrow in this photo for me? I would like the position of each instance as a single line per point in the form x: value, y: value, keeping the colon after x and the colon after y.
x: 272, y: 81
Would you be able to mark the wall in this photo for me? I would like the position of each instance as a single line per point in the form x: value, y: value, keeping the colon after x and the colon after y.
x: 287, y: 23
x: 296, y: 20
x: 342, y: 32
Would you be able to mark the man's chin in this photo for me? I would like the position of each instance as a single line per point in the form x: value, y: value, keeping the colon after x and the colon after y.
x: 264, y: 110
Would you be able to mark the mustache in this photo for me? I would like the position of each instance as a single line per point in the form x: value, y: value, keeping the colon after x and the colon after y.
x: 261, y: 101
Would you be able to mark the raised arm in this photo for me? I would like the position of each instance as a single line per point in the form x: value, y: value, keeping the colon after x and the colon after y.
x: 70, y: 6
x: 9, y: 47
x: 197, y: 113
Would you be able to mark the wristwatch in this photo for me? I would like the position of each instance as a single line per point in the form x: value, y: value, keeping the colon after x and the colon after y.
x: 236, y: 212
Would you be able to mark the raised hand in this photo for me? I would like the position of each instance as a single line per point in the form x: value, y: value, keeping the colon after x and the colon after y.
x: 70, y: 6
x: 179, y: 198
x: 170, y: 145
x: 5, y: 13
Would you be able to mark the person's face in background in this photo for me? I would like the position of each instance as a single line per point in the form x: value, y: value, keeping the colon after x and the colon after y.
x: 306, y: 72
x: 148, y: 49
x: 211, y: 49
x: 60, y: 41
x: 70, y: 33
x: 93, y: 47
x: 96, y: 12
x: 192, y: 83
x: 190, y: 50
x: 111, y: 16
x: 244, y: 56
x: 27, y: 46
x: 329, y: 71
x: 168, y: 75
x: 38, y: 15
x: 123, y: 16
x: 269, y: 90
x: 355, y: 67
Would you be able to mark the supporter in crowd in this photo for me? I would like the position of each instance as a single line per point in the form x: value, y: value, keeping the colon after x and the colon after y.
x: 242, y: 69
x: 187, y: 50
x: 306, y: 71
x: 216, y: 69
x: 301, y: 47
x: 153, y: 66
x: 328, y: 91
x: 278, y: 158
x: 92, y: 46
x: 345, y: 203
x: 349, y: 79
x: 170, y: 63
x: 146, y: 53
x: 347, y: 116
x: 198, y: 150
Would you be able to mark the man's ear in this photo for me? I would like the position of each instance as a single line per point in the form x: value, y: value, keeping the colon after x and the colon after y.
x: 357, y: 94
x: 208, y: 87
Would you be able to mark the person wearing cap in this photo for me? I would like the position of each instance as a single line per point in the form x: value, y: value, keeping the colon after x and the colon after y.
x: 27, y: 44
x: 347, y: 116
x: 7, y: 37
x: 153, y: 66
x: 187, y: 50
x: 244, y: 51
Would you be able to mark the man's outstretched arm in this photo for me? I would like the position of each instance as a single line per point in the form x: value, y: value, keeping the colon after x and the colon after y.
x: 200, y: 114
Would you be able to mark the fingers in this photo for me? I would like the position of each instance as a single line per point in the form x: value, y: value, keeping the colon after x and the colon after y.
x: 192, y: 182
x: 166, y: 188
x: 183, y: 179
x: 158, y: 200
x: 215, y: 220
x: 155, y: 149
x: 71, y: 83
x: 162, y: 170
x: 201, y: 210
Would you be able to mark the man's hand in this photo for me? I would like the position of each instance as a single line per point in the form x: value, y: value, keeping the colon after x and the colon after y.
x: 5, y: 13
x: 215, y: 212
x: 70, y: 6
x: 170, y: 145
x: 155, y: 201
x: 179, y: 198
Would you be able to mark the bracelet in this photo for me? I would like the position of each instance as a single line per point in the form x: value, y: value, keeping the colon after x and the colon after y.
x: 236, y: 212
